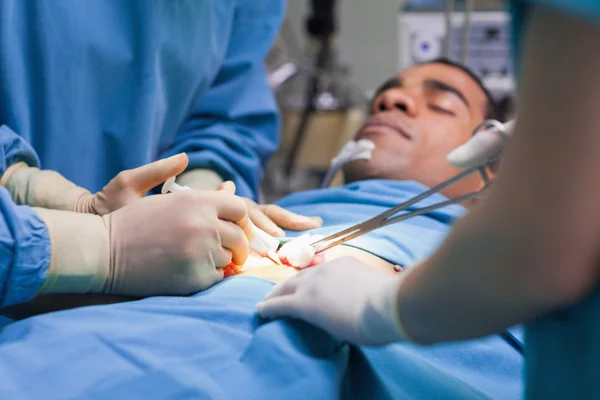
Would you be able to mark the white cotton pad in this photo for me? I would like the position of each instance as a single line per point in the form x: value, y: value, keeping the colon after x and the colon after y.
x: 298, y: 252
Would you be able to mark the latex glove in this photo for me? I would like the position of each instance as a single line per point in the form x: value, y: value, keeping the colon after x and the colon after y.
x: 131, y: 185
x: 271, y: 218
x: 346, y: 298
x: 172, y: 244
x: 481, y: 148
x: 49, y: 189
x: 268, y: 217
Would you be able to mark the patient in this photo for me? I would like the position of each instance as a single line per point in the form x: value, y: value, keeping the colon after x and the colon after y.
x: 417, y: 118
x: 213, y: 345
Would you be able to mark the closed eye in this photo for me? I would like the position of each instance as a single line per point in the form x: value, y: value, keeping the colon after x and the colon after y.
x: 441, y: 110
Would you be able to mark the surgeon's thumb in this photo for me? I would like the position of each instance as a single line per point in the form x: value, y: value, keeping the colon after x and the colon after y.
x: 146, y: 177
x: 277, y: 307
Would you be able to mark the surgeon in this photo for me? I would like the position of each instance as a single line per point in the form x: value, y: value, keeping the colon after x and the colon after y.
x: 528, y: 253
x: 131, y: 245
x: 102, y: 86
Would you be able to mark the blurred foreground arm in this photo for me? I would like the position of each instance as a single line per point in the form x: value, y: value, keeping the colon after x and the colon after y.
x: 532, y: 246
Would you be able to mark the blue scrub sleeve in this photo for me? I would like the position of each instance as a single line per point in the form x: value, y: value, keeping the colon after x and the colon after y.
x: 14, y: 149
x: 235, y: 128
x: 24, y: 240
x: 24, y: 251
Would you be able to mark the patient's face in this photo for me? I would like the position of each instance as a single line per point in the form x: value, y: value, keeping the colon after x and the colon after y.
x: 416, y: 119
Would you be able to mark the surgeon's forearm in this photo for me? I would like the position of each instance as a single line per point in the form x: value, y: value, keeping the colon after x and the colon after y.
x: 532, y: 246
x: 200, y: 179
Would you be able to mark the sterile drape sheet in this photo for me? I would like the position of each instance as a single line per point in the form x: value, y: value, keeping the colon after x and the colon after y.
x: 214, y: 346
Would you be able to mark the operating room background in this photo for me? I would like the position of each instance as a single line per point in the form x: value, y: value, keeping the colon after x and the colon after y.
x: 366, y: 48
x: 367, y: 36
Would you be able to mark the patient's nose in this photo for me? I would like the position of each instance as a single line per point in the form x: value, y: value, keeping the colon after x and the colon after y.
x: 396, y: 99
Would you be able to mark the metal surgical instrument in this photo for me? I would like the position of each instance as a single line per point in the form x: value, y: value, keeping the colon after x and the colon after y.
x: 389, y: 217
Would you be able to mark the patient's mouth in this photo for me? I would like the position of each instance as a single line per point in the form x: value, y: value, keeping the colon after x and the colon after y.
x: 372, y: 125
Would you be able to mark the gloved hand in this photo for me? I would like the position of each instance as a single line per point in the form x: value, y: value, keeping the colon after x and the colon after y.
x: 481, y: 148
x: 172, y: 244
x: 268, y: 217
x: 131, y: 185
x: 49, y: 189
x: 272, y: 218
x: 346, y: 298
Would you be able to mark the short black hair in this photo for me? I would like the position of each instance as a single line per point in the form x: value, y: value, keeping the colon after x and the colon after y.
x: 491, y: 109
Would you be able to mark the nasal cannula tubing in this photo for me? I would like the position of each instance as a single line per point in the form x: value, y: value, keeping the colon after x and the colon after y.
x: 262, y: 243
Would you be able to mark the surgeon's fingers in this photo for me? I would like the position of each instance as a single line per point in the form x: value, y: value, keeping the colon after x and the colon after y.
x: 234, y: 239
x: 262, y: 221
x: 222, y: 257
x: 233, y: 208
x: 209, y: 279
x: 227, y: 187
x: 287, y: 287
x: 277, y: 307
x: 289, y: 220
x: 151, y: 175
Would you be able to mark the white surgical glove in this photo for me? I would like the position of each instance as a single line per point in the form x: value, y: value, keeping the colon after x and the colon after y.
x: 346, y: 298
x: 483, y: 147
x: 271, y: 218
x: 172, y: 244
x: 48, y: 189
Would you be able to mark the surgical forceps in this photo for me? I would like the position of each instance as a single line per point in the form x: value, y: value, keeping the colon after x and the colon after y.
x: 388, y: 217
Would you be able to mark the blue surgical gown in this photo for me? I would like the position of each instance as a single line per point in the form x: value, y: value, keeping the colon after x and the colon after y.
x: 563, y: 347
x: 100, y: 86
x: 24, y: 240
